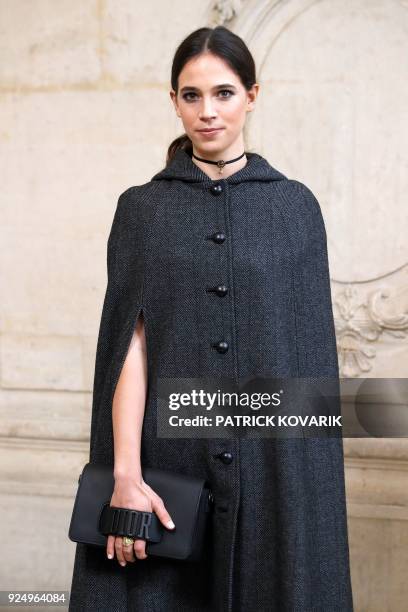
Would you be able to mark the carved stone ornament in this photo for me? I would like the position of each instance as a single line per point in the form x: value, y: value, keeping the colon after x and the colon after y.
x: 224, y: 11
x: 359, y: 324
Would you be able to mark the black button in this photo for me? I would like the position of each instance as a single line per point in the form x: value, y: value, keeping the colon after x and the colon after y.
x: 218, y: 237
x: 216, y: 189
x: 222, y: 508
x: 226, y: 457
x: 221, y: 290
x: 221, y: 346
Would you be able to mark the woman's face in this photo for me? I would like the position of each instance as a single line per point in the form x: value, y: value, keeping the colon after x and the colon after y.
x: 211, y: 95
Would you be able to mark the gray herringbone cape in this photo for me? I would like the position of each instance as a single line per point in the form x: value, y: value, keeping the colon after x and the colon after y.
x: 278, y: 539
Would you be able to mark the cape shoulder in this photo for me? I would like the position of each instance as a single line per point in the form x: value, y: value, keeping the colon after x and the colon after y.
x: 131, y: 225
x: 304, y: 200
x: 302, y: 215
x: 133, y: 201
x: 137, y: 206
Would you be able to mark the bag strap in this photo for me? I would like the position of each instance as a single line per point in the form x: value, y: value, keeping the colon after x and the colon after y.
x: 137, y: 524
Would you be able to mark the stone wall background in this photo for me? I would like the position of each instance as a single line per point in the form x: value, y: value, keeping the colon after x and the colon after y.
x: 85, y: 113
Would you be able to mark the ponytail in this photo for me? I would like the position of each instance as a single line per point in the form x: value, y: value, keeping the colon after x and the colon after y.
x: 182, y: 142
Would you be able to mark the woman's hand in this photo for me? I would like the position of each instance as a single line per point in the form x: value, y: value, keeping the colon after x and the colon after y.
x: 137, y: 495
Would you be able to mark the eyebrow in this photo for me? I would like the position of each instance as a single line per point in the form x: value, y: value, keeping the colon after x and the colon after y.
x: 191, y: 88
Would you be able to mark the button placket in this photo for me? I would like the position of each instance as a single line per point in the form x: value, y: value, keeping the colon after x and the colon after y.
x: 229, y: 500
x: 221, y: 290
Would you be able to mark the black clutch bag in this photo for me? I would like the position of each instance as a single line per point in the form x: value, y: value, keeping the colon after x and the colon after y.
x: 188, y: 500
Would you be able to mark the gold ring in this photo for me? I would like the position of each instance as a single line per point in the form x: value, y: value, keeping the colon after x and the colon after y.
x: 127, y: 541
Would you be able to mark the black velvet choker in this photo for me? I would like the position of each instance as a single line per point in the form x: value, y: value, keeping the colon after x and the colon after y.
x: 221, y: 163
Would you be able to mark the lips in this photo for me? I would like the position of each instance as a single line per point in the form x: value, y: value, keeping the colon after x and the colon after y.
x: 210, y: 130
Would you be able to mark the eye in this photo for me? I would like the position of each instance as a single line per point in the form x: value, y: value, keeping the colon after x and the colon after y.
x: 189, y: 93
x: 226, y: 91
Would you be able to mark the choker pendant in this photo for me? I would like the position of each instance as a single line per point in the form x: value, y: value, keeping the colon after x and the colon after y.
x: 221, y: 164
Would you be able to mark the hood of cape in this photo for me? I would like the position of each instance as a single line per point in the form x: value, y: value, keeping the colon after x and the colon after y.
x: 181, y: 167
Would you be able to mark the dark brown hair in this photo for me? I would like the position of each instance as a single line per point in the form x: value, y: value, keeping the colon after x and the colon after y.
x: 221, y: 42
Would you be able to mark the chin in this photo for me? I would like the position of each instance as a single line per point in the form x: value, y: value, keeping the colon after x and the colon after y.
x: 212, y: 146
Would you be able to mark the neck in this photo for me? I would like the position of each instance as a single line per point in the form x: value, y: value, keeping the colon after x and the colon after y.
x: 212, y: 170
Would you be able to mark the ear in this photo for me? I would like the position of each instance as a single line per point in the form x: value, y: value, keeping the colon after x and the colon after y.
x: 252, y: 94
x: 173, y: 97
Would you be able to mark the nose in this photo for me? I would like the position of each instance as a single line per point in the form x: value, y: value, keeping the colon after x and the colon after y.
x: 207, y: 109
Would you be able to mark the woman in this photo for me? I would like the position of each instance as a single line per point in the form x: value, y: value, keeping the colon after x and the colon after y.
x: 217, y: 271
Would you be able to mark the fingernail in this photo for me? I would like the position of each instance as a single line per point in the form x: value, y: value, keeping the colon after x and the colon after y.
x: 171, y: 525
x: 123, y: 563
x: 110, y: 556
